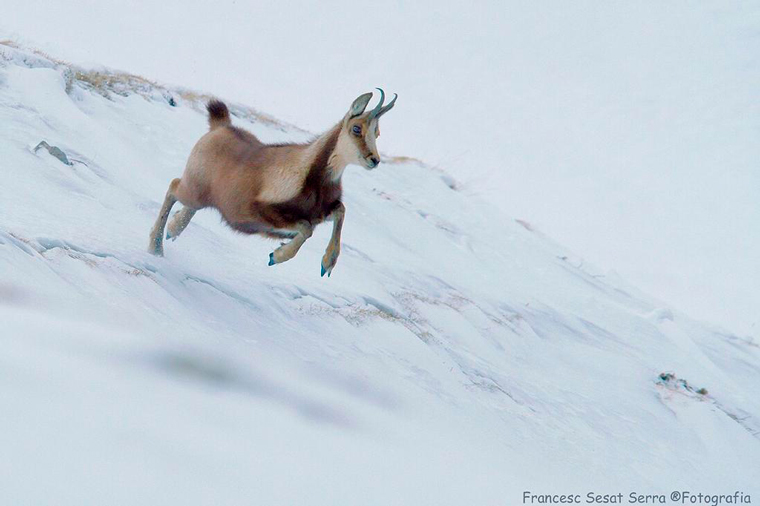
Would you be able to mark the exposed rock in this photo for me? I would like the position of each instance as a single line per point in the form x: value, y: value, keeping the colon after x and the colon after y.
x: 55, y: 151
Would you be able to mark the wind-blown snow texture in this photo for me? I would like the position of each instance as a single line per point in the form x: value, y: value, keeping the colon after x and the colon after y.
x: 454, y: 357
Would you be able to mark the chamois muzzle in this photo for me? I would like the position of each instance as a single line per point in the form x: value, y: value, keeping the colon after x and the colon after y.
x: 372, y: 162
x: 379, y: 110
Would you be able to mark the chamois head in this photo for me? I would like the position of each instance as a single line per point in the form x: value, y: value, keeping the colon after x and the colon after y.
x: 360, y: 131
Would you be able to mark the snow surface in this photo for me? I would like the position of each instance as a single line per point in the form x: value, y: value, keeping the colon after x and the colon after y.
x: 625, y: 130
x: 455, y: 356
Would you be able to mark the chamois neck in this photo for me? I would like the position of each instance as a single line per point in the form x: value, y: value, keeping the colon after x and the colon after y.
x: 328, y: 153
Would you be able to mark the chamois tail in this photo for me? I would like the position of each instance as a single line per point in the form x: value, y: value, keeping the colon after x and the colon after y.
x: 218, y: 114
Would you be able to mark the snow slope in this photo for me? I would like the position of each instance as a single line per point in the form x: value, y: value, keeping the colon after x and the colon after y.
x: 625, y: 130
x: 455, y: 356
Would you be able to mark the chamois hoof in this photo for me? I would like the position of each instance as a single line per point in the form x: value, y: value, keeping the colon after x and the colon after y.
x: 271, y: 259
x: 169, y: 235
x: 329, y: 261
x: 323, y: 272
x: 156, y: 248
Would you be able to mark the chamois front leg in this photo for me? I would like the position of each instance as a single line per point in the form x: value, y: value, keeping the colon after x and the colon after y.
x: 333, y: 247
x: 289, y: 250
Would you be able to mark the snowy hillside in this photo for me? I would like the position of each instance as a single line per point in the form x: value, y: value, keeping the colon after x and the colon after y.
x: 455, y: 356
x: 627, y: 131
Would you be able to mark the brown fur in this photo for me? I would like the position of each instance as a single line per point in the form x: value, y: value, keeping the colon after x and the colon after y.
x: 238, y: 162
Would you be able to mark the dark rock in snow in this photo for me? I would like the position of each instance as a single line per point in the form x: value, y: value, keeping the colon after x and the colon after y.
x: 55, y: 151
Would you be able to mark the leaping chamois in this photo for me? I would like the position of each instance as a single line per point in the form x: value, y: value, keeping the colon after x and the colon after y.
x: 276, y: 190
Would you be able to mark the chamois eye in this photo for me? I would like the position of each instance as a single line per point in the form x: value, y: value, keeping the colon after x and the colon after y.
x: 357, y: 130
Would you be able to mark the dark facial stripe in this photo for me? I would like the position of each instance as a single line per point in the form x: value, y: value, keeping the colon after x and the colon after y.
x: 363, y: 149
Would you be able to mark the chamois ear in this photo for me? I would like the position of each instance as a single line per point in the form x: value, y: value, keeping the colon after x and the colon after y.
x: 360, y: 104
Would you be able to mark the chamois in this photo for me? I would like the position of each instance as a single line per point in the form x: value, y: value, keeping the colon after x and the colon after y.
x: 276, y: 190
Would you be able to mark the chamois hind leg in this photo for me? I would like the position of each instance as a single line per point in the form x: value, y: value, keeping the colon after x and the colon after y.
x: 289, y: 250
x: 156, y: 244
x: 333, y: 247
x: 180, y: 221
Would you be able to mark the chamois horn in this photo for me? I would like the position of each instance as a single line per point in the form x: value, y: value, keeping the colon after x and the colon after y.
x: 379, y: 110
x: 387, y: 107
